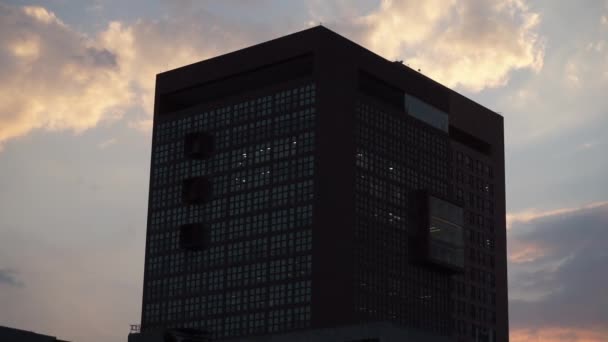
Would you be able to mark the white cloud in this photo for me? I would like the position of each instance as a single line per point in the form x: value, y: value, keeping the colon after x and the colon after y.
x: 586, y: 146
x: 568, y: 93
x: 472, y: 44
x: 142, y: 125
x: 107, y: 143
x: 571, y: 74
x: 42, y: 14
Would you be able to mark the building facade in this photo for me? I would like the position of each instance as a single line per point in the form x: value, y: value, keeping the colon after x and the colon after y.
x: 307, y: 183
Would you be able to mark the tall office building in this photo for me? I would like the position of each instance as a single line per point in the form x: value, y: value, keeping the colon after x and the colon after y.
x: 307, y: 183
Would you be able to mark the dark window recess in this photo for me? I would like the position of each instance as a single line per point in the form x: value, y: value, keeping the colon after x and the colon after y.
x: 470, y: 141
x: 198, y: 145
x: 415, y: 84
x: 193, y: 236
x: 375, y: 87
x: 186, y: 335
x: 295, y: 68
x: 196, y: 190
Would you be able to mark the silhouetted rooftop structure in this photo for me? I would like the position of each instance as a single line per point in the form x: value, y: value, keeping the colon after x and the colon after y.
x: 16, y: 335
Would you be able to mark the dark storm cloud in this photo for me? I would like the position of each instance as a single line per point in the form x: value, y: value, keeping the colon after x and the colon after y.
x: 9, y: 277
x: 566, y: 283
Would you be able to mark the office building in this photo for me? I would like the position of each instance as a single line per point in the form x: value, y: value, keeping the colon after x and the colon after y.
x: 307, y: 183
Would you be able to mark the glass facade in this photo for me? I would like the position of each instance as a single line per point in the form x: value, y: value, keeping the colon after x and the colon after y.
x: 427, y: 113
x: 446, y: 245
x: 396, y: 156
x: 255, y: 274
x: 474, y: 291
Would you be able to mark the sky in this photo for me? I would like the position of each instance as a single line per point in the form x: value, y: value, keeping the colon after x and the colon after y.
x: 76, y: 94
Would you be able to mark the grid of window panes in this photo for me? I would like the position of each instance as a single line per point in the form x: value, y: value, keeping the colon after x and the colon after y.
x: 474, y: 292
x: 254, y: 277
x: 396, y: 155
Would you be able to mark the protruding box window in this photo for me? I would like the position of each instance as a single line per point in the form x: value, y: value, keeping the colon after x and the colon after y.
x: 193, y: 236
x: 196, y: 190
x: 442, y: 233
x: 199, y: 145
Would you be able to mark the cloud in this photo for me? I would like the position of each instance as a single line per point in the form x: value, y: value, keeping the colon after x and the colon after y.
x: 53, y: 77
x: 148, y: 47
x: 42, y: 14
x: 560, y: 288
x: 472, y: 44
x: 529, y: 215
x: 556, y: 335
x: 142, y: 125
x: 9, y: 277
x: 568, y: 93
x: 586, y: 146
x: 107, y: 143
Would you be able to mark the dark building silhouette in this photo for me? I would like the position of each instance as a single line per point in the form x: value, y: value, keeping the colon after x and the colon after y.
x: 17, y: 335
x: 307, y: 183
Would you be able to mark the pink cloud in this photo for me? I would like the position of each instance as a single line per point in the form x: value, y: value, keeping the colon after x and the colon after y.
x: 559, y: 334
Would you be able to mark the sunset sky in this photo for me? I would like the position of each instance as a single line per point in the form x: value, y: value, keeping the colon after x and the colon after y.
x: 76, y: 94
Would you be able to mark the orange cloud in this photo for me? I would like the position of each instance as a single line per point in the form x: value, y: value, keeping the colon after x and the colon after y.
x: 56, y: 78
x: 534, y: 214
x: 42, y: 14
x: 147, y: 48
x: 522, y: 251
x: 472, y: 44
x: 399, y: 24
x: 527, y: 252
x: 558, y: 334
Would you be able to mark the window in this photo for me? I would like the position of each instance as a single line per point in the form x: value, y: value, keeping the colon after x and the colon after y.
x: 427, y: 113
x: 446, y: 243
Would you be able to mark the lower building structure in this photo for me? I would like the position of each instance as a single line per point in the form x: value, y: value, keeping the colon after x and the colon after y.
x: 17, y: 335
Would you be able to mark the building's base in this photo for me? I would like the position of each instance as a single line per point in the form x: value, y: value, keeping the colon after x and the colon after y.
x: 368, y: 332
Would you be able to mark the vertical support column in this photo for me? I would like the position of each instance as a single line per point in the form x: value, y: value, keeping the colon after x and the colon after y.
x: 332, y: 297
